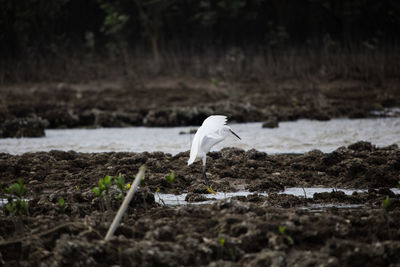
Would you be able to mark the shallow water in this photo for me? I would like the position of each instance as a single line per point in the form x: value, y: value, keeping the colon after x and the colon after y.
x: 173, y: 200
x: 176, y: 200
x: 291, y: 137
x: 324, y: 207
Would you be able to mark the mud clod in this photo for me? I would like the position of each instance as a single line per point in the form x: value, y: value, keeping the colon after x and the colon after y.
x: 195, y: 197
x: 23, y: 127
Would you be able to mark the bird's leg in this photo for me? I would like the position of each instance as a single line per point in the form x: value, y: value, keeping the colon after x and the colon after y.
x: 204, y: 171
x: 205, y: 176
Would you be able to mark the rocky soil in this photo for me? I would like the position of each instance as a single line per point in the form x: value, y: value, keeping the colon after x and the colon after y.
x: 328, y: 229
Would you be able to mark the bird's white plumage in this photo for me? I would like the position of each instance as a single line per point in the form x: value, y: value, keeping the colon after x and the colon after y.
x: 213, y: 123
x: 210, y: 126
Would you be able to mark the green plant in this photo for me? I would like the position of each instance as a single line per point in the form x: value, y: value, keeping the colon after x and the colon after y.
x: 171, y: 178
x: 142, y: 182
x: 386, y: 203
x: 222, y: 241
x: 102, y: 191
x: 215, y: 82
x: 103, y: 187
x: 282, y: 231
x: 61, y: 205
x: 120, y: 182
x: 17, y: 205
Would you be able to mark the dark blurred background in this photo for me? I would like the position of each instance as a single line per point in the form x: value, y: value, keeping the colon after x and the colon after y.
x: 92, y: 39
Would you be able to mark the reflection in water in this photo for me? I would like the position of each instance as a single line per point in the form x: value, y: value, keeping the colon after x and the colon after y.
x: 291, y: 137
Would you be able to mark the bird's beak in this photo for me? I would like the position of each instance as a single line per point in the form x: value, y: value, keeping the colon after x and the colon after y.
x: 235, y: 134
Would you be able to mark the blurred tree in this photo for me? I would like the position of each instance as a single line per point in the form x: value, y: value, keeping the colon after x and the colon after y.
x: 27, y: 24
x: 33, y: 30
x: 152, y: 15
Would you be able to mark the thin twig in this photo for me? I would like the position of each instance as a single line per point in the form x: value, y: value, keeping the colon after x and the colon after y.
x: 305, y: 194
x: 125, y: 203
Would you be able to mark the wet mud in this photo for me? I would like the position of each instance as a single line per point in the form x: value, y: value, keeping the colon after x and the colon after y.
x: 187, y: 102
x: 328, y: 229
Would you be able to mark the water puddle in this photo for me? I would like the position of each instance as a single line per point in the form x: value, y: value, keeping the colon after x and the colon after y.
x: 291, y: 137
x: 323, y: 207
x: 310, y: 191
x: 174, y: 200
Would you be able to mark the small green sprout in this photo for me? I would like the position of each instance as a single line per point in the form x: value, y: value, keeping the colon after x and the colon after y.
x: 103, y: 186
x: 17, y: 205
x: 282, y: 231
x: 215, y: 82
x: 96, y: 191
x: 386, y: 203
x: 102, y: 191
x: 222, y: 241
x: 61, y: 202
x: 171, y: 177
x: 142, y: 182
x: 120, y: 182
x: 61, y: 205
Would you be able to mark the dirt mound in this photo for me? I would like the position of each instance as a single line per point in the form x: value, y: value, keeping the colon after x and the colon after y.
x: 21, y: 127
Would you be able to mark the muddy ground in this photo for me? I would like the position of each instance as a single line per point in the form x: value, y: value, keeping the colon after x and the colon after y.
x: 27, y: 109
x: 243, y: 231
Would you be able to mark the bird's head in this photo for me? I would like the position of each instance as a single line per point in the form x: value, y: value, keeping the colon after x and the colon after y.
x: 226, y: 130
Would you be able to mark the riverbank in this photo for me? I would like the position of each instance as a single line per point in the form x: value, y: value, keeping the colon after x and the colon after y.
x: 240, y: 231
x: 27, y: 109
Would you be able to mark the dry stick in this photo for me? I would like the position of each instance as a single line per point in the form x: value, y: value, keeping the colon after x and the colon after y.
x: 305, y: 194
x: 125, y: 203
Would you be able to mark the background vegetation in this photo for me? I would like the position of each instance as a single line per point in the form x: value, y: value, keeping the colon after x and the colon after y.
x: 78, y: 40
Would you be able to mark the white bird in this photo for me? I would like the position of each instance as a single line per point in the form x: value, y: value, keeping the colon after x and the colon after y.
x: 212, y: 131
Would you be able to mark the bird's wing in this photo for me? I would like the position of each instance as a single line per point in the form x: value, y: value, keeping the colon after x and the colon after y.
x: 209, y: 141
x: 213, y: 124
x: 209, y: 126
x: 195, y: 146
